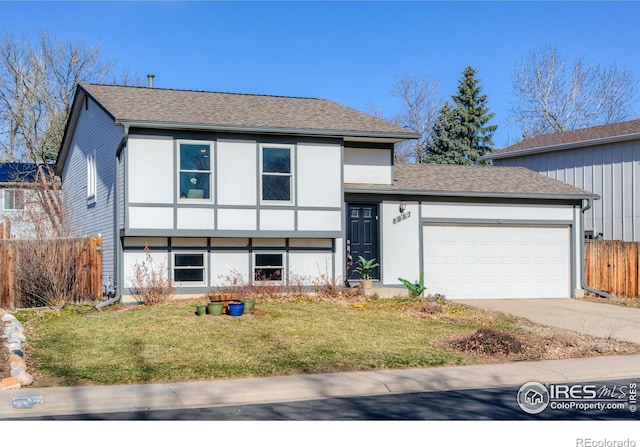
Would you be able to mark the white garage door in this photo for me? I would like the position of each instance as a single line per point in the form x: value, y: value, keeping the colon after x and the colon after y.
x: 497, y: 261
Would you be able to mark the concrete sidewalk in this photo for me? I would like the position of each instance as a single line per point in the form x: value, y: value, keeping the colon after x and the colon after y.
x: 600, y: 320
x: 96, y: 399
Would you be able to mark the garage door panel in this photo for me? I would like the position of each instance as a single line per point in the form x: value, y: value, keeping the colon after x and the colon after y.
x: 490, y: 261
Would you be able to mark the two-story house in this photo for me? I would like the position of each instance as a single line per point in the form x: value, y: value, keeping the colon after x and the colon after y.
x: 290, y: 189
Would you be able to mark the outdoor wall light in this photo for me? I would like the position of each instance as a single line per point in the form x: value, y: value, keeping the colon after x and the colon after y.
x: 402, y: 207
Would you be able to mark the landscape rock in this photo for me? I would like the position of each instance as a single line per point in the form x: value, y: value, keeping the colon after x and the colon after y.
x: 17, y: 372
x: 14, y: 346
x: 25, y: 379
x: 8, y: 317
x: 10, y: 383
x: 17, y: 364
x: 16, y: 338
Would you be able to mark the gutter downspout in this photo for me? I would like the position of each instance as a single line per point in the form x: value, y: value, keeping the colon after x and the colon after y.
x: 583, y: 278
x: 119, y: 254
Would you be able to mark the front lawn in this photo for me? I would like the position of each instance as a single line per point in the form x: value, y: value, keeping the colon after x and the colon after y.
x: 279, y: 337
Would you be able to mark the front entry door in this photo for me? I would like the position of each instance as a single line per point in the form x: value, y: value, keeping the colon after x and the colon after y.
x: 362, y: 236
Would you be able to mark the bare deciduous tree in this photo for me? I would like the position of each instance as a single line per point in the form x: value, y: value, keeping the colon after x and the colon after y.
x: 554, y: 93
x: 37, y: 83
x: 421, y: 102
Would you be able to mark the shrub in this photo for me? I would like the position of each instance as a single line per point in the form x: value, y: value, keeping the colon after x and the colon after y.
x: 150, y: 282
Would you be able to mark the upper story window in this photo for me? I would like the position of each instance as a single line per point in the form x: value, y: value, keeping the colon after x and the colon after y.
x: 13, y: 199
x: 92, y: 177
x: 195, y: 171
x: 277, y: 174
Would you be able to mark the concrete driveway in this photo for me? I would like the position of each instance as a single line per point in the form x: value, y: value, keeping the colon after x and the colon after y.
x: 600, y: 320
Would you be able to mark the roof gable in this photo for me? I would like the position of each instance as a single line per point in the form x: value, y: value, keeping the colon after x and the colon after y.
x: 589, y: 136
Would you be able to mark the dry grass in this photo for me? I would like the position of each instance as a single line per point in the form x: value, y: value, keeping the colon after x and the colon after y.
x: 281, y: 336
x: 619, y: 301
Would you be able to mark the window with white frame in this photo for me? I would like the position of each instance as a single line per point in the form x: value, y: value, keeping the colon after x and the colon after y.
x: 195, y: 171
x: 268, y: 267
x: 189, y: 268
x: 277, y: 174
x: 92, y: 177
x: 13, y: 199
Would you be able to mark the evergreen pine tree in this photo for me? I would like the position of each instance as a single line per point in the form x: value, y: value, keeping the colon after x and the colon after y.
x: 446, y: 139
x: 471, y: 107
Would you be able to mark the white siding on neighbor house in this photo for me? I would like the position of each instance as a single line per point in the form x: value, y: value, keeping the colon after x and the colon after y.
x: 372, y: 166
x: 95, y: 133
x: 612, y: 171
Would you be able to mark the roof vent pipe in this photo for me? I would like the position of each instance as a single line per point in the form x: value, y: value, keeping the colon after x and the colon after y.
x: 150, y: 77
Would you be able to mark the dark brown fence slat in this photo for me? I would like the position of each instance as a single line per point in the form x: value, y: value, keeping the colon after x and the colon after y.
x: 613, y: 266
x: 81, y: 255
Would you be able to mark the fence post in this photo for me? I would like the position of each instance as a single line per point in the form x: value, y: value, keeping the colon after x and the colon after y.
x: 11, y: 275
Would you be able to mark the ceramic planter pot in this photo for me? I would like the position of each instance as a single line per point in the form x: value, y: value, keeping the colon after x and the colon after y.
x: 201, y: 310
x: 214, y: 308
x: 366, y: 283
x: 236, y: 308
x: 248, y: 303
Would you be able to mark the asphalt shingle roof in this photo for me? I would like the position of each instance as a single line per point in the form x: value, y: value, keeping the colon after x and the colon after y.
x: 627, y: 128
x: 237, y: 111
x: 481, y: 181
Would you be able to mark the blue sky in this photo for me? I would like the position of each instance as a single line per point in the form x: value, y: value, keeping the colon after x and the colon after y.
x: 349, y: 52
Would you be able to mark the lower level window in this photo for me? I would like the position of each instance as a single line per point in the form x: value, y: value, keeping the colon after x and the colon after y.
x: 188, y: 267
x: 268, y: 267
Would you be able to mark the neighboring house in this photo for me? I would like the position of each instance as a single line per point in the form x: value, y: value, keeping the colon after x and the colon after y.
x: 602, y: 159
x: 16, y: 199
x: 288, y: 190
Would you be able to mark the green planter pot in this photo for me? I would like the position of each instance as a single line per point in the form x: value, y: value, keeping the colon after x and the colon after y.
x: 248, y: 304
x: 201, y: 310
x: 214, y: 308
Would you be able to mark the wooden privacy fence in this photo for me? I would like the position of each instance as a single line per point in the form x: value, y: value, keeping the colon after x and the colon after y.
x: 613, y: 266
x: 42, y: 272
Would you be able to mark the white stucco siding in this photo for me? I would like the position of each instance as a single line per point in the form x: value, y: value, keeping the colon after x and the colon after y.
x: 310, y: 268
x: 277, y: 220
x: 131, y: 259
x: 368, y: 166
x: 150, y: 170
x: 237, y: 219
x: 195, y: 218
x: 227, y: 266
x: 150, y: 217
x: 318, y: 175
x: 612, y: 171
x: 95, y: 134
x: 236, y: 172
x: 319, y: 220
x: 400, y: 243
